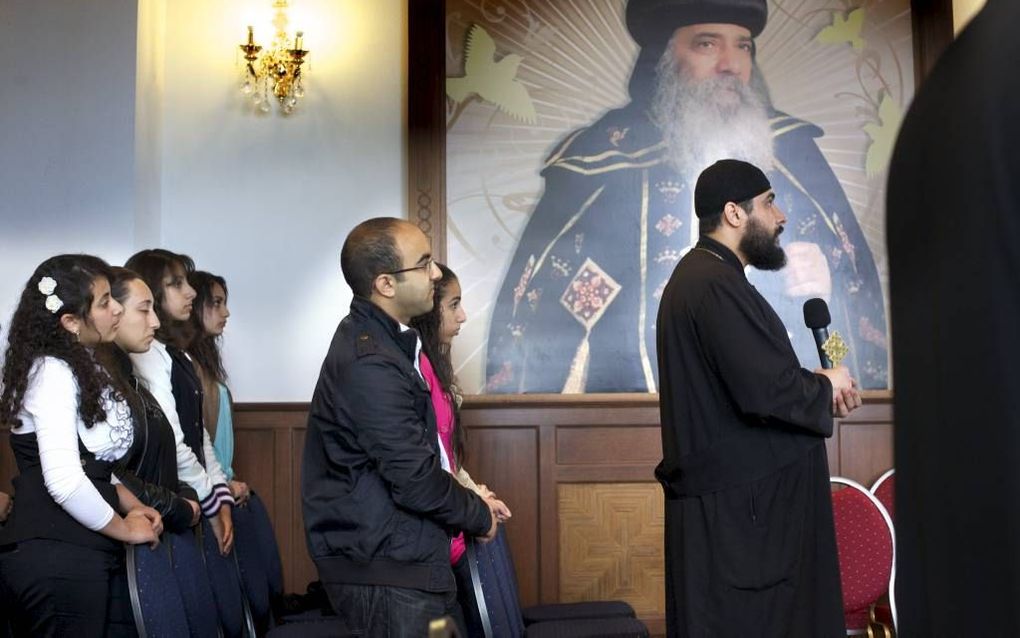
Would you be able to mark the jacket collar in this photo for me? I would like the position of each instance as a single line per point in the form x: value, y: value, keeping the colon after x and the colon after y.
x: 365, y: 310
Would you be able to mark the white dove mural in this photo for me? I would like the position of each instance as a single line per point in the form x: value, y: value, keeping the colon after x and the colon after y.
x: 491, y: 80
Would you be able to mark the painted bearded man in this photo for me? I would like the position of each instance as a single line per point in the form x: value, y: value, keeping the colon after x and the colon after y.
x: 576, y: 311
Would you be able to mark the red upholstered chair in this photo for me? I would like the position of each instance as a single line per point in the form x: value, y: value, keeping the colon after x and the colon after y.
x: 867, y: 555
x: 884, y: 490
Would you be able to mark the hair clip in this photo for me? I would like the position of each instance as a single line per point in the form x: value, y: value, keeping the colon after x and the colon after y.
x: 46, y: 286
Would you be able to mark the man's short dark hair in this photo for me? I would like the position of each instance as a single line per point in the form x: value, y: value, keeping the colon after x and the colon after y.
x: 369, y: 251
x: 708, y: 224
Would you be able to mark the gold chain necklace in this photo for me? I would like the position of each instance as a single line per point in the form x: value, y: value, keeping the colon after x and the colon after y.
x: 710, y: 252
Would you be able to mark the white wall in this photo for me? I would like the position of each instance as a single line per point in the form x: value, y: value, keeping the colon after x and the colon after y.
x: 67, y: 96
x: 267, y: 201
x: 264, y: 201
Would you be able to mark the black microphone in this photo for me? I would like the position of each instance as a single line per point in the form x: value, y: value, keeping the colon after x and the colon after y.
x: 817, y: 318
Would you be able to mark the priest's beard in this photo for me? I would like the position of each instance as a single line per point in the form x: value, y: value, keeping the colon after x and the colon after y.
x: 761, y: 247
x: 703, y: 121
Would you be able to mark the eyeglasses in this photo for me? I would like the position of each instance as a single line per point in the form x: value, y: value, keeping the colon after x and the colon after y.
x: 427, y: 267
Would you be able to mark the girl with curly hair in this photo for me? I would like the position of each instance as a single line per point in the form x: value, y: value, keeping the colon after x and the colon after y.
x: 208, y: 319
x: 61, y: 552
x: 167, y: 371
x: 437, y: 330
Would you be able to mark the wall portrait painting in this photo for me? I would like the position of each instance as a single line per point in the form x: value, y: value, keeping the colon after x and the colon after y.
x: 575, y: 130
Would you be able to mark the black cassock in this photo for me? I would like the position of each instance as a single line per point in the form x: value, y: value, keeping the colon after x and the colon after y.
x: 953, y: 218
x: 750, y: 543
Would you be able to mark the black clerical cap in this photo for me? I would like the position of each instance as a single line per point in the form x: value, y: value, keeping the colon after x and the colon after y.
x: 652, y: 22
x: 727, y: 180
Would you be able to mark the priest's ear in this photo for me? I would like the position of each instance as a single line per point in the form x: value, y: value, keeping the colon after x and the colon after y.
x: 734, y: 215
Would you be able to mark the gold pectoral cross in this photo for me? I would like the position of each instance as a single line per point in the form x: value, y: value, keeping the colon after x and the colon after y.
x: 835, y: 348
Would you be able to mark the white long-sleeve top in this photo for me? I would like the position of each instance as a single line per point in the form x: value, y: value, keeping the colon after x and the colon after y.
x: 50, y: 410
x: 153, y: 368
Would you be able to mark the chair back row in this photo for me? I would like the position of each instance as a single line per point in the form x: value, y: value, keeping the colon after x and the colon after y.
x: 884, y: 490
x: 185, y: 587
x: 866, y: 543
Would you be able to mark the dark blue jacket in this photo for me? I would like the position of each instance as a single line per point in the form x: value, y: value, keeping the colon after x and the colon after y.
x: 378, y: 507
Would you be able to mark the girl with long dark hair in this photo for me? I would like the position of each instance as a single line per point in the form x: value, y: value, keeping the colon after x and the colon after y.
x: 168, y: 373
x: 437, y: 330
x: 149, y: 469
x: 61, y: 552
x: 208, y: 319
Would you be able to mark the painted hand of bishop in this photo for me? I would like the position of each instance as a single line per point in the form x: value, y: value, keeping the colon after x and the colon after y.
x: 807, y: 271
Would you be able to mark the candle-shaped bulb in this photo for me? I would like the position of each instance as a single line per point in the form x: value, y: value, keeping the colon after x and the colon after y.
x: 298, y: 41
x: 251, y: 35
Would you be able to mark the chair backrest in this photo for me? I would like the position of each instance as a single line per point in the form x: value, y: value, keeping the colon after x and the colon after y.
x: 226, y: 586
x: 155, y: 596
x: 884, y: 490
x: 266, y: 538
x: 251, y: 561
x: 196, y: 592
x: 867, y: 548
x: 495, y: 583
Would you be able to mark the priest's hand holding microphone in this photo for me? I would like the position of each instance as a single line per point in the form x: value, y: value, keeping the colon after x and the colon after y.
x: 831, y: 349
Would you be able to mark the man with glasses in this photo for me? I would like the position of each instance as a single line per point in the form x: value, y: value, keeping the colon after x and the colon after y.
x: 378, y: 506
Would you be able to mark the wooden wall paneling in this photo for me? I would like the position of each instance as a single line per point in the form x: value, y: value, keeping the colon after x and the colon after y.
x: 426, y: 120
x: 536, y: 452
x: 544, y: 455
x: 601, y: 445
x: 933, y: 32
x: 287, y: 474
x: 611, y: 544
x: 506, y: 459
x: 302, y: 569
x: 548, y: 545
x: 278, y: 479
x: 605, y: 473
x: 865, y: 444
x: 254, y: 451
x: 866, y: 451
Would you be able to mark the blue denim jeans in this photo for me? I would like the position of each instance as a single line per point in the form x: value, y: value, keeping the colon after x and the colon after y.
x: 389, y: 612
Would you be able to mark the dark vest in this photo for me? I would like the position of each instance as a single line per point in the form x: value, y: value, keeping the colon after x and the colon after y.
x: 187, y: 391
x: 153, y: 456
x: 36, y: 515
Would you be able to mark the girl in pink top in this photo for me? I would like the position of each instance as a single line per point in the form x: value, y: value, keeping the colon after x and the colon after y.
x: 437, y: 330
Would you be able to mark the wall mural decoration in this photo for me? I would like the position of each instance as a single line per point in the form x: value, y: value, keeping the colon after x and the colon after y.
x: 572, y: 153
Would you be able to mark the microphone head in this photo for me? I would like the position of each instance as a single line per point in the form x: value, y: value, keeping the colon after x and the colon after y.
x: 816, y: 314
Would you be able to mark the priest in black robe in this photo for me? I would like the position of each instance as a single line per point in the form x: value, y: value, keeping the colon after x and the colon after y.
x: 954, y: 267
x: 750, y: 541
